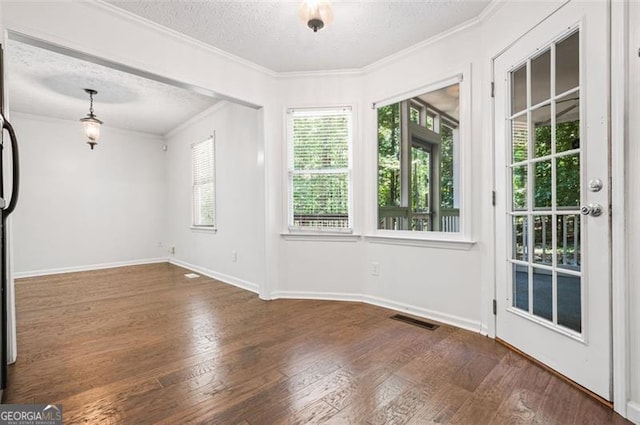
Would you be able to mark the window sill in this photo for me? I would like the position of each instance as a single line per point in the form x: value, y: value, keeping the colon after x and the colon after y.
x: 456, y: 244
x: 320, y: 236
x: 199, y: 229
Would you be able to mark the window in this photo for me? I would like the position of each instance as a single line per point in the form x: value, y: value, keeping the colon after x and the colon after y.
x: 418, y: 149
x: 415, y: 114
x: 319, y: 150
x: 204, y: 184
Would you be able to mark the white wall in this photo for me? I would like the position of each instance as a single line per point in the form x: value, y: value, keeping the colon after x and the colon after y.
x: 239, y: 196
x: 79, y: 208
x: 320, y: 267
x: 441, y: 283
x: 426, y: 281
x: 633, y: 209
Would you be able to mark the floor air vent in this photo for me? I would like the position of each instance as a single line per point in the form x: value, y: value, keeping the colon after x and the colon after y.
x: 191, y: 275
x: 415, y: 322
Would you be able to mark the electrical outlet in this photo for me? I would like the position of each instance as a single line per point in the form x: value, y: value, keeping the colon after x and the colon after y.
x: 172, y: 250
x: 234, y: 256
x: 375, y: 268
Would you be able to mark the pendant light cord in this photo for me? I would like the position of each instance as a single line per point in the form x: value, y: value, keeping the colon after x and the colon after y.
x: 90, y: 104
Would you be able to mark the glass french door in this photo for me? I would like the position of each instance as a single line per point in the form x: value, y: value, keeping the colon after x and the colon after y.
x: 553, y: 245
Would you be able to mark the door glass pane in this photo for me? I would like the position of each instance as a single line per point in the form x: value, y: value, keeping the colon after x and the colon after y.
x: 520, y: 238
x: 542, y: 293
x: 420, y: 189
x: 519, y: 177
x: 542, y: 247
x: 541, y: 118
x: 430, y: 122
x: 542, y: 185
x: 568, y: 181
x: 414, y: 115
x: 420, y: 179
x: 541, y: 78
x: 568, y: 122
x: 519, y: 138
x: 568, y: 63
x: 569, y: 307
x: 568, y: 242
x: 520, y: 296
x: 519, y: 90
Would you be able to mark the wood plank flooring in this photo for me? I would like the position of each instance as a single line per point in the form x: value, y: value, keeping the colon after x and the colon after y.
x: 146, y: 345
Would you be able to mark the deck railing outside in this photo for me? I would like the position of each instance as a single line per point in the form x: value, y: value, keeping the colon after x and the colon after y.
x: 568, y: 249
x: 321, y: 220
x: 396, y: 218
x: 450, y: 220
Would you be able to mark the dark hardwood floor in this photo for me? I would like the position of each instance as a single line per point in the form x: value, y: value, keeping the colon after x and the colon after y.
x: 144, y: 345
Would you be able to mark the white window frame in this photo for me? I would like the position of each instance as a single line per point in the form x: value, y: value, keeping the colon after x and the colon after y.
x: 463, y: 239
x: 194, y: 225
x: 326, y: 231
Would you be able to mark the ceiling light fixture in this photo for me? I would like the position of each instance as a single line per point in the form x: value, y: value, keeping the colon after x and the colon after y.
x: 91, y: 123
x: 317, y: 14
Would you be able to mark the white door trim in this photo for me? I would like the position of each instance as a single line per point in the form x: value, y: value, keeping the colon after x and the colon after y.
x: 618, y: 78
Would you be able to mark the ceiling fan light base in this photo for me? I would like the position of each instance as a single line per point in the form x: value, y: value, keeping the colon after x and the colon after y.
x: 316, y: 14
x: 315, y: 24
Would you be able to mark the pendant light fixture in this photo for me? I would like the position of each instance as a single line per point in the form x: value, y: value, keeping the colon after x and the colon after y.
x: 91, y: 123
x: 317, y: 14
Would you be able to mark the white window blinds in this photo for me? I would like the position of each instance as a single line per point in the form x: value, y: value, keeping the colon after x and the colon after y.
x: 204, y: 187
x: 319, y: 148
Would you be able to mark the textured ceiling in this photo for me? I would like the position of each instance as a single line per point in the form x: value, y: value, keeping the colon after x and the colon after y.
x: 269, y: 32
x: 45, y: 83
x: 266, y: 32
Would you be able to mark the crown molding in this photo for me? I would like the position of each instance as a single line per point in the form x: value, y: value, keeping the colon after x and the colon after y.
x: 350, y: 72
x: 421, y: 45
x: 488, y: 11
x: 114, y: 10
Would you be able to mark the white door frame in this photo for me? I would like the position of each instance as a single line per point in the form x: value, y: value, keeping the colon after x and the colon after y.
x: 618, y: 81
x: 619, y: 87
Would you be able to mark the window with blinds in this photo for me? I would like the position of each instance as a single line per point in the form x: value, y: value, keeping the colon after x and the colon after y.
x: 319, y: 148
x: 203, y: 181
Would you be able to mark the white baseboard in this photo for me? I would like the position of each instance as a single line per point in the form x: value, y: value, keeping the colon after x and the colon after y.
x: 240, y: 283
x: 449, y: 319
x: 328, y: 296
x: 484, y: 331
x: 633, y: 412
x: 35, y: 273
